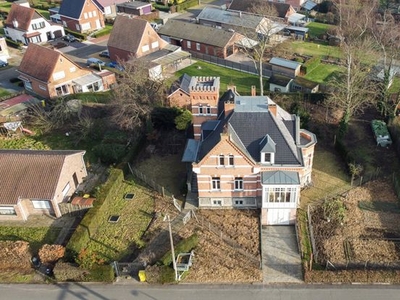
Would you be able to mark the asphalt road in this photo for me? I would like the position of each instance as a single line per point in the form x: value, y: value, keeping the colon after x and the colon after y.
x: 196, y: 292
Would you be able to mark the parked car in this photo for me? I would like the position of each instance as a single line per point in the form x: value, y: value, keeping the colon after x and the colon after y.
x: 3, y: 63
x: 69, y: 38
x: 115, y: 65
x: 105, y: 53
x: 95, y: 61
x: 155, y: 26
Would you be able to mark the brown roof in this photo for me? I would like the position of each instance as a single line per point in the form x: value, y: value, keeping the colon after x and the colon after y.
x: 31, y: 174
x: 39, y: 62
x: 23, y: 15
x: 246, y: 5
x: 127, y: 33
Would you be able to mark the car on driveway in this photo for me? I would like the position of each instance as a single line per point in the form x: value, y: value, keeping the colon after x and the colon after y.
x: 95, y: 62
x: 3, y: 63
x: 69, y: 38
x: 115, y: 65
x: 105, y: 53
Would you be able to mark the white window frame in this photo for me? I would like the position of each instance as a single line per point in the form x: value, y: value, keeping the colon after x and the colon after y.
x: 7, y: 210
x: 208, y: 110
x: 41, y: 204
x: 28, y: 85
x: 239, y: 183
x: 239, y: 202
x: 154, y: 45
x: 221, y: 160
x: 58, y: 75
x: 231, y: 160
x: 189, y: 44
x: 217, y: 202
x: 201, y: 110
x: 145, y: 48
x: 198, y: 46
x: 66, y: 189
x: 42, y: 87
x: 216, y: 183
x: 85, y: 15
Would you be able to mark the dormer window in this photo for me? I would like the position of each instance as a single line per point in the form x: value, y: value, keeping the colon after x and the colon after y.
x: 267, y: 150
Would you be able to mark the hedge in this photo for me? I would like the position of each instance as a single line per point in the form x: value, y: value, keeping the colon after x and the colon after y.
x: 186, y: 5
x: 11, y: 43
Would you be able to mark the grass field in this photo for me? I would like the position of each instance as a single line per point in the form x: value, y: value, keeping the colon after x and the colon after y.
x: 316, y: 29
x: 242, y: 81
x: 313, y: 49
x: 323, y: 73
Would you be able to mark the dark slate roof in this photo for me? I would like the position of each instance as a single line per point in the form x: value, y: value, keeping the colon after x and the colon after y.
x: 72, y: 8
x: 31, y: 174
x: 196, y: 33
x: 246, y: 5
x: 191, y: 150
x: 229, y: 17
x: 182, y: 83
x: 279, y: 80
x: 134, y: 4
x: 252, y: 127
x: 309, y: 5
x: 267, y: 145
x: 280, y: 178
x: 212, y: 139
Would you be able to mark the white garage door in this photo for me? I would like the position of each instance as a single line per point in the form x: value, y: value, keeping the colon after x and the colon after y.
x: 278, y: 216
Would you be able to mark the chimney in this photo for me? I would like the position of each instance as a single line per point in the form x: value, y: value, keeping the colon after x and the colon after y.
x: 272, y: 109
x: 231, y: 87
x: 253, y: 90
x: 229, y: 107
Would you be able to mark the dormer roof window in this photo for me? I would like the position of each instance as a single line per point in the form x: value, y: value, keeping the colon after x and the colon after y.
x: 267, y: 150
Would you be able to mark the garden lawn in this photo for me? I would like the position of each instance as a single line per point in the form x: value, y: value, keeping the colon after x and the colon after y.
x: 116, y: 241
x: 313, y: 49
x: 323, y: 73
x: 242, y: 81
x: 329, y: 177
x: 4, y: 93
x: 36, y: 236
x: 315, y: 29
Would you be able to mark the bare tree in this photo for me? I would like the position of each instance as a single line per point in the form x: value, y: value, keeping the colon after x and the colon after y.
x: 256, y: 42
x: 352, y: 89
x: 135, y: 95
x: 387, y: 36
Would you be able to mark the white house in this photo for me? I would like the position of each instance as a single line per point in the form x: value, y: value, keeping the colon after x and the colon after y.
x: 24, y: 24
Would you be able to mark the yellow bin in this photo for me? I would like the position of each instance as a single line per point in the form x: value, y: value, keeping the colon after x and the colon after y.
x: 142, y: 276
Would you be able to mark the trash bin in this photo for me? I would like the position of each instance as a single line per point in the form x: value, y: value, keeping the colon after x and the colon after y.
x: 142, y: 276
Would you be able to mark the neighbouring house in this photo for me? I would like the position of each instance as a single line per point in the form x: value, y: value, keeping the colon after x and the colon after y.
x: 303, y: 85
x: 35, y: 182
x: 249, y: 154
x: 285, y: 67
x: 25, y: 25
x: 142, y: 44
x: 54, y: 15
x: 283, y: 10
x: 241, y: 22
x: 279, y: 83
x: 50, y: 74
x: 81, y: 15
x: 297, y: 32
x: 13, y: 109
x: 109, y: 7
x: 179, y: 94
x: 296, y: 4
x: 200, y: 39
x: 4, y: 54
x: 136, y: 8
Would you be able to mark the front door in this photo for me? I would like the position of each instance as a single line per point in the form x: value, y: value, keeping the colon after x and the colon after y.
x: 278, y: 216
x: 98, y: 26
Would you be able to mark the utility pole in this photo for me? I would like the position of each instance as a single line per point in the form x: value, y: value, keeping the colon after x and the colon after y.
x: 166, y: 218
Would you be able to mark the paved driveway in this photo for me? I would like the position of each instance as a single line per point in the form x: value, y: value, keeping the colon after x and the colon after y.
x: 281, y: 259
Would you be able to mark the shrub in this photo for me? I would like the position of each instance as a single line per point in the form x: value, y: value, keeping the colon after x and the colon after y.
x: 183, y: 246
x: 104, y: 273
x: 68, y: 272
x: 109, y: 153
x: 183, y: 120
x: 11, y: 43
x: 187, y: 4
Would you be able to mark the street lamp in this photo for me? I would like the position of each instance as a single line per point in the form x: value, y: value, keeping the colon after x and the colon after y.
x: 166, y: 218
